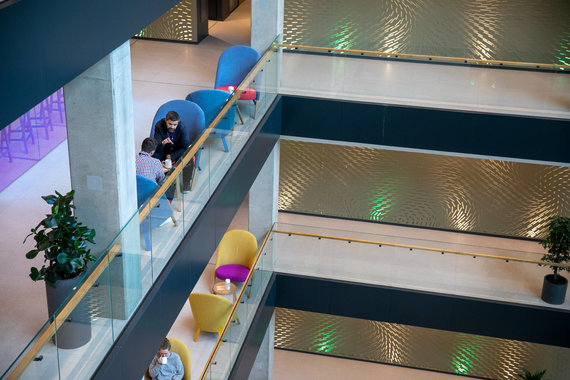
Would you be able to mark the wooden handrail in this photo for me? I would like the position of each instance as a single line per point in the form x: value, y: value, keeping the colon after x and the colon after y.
x: 144, y: 211
x: 412, y: 247
x: 234, y: 308
x: 146, y: 207
x: 50, y: 330
x: 429, y: 57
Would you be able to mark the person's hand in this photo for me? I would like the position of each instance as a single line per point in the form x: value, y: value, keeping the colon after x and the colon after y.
x: 167, y: 141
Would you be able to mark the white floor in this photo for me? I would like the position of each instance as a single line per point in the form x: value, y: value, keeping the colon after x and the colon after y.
x: 470, y: 88
x: 164, y: 71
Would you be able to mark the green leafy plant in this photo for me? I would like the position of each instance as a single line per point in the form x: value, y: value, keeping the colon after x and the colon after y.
x: 527, y: 375
x: 558, y: 243
x: 63, y: 240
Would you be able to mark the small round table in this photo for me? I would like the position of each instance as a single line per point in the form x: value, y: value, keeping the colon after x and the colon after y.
x: 219, y: 288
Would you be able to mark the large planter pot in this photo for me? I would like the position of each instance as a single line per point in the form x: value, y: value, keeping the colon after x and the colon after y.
x: 554, y: 292
x: 76, y: 330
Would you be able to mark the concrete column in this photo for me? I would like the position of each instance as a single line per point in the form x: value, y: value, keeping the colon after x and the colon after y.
x: 263, y: 197
x: 263, y: 366
x: 100, y: 132
x: 266, y: 22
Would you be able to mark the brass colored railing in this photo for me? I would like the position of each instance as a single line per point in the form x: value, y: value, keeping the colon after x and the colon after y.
x: 434, y: 58
x: 144, y: 211
x: 50, y: 330
x: 234, y: 308
x: 412, y: 247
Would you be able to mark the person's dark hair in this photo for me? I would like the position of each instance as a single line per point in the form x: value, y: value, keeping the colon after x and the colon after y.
x: 165, y: 344
x: 172, y: 116
x: 149, y: 144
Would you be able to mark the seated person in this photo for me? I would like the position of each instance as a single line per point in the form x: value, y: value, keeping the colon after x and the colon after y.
x: 166, y: 365
x: 172, y: 136
x: 173, y: 140
x: 148, y: 166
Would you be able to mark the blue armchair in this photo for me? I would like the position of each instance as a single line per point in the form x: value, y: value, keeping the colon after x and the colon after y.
x: 233, y: 66
x: 192, y: 118
x: 211, y: 102
x: 157, y: 216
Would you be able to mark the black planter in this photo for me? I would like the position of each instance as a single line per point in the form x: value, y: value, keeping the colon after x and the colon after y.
x: 76, y: 330
x: 554, y: 292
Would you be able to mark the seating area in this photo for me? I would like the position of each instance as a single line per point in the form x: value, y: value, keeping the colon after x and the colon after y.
x: 209, y: 310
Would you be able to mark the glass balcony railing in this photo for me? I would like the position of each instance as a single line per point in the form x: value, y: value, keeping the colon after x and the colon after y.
x: 489, y: 272
x: 443, y: 267
x: 457, y: 59
x: 110, y: 292
x: 228, y: 345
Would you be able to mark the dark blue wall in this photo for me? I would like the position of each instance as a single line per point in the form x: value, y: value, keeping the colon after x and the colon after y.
x: 45, y: 44
x: 424, y: 128
x: 156, y: 314
x: 432, y: 310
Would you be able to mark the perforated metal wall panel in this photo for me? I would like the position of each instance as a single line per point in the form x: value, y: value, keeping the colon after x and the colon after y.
x: 509, y: 30
x: 459, y: 353
x: 177, y: 24
x: 454, y: 193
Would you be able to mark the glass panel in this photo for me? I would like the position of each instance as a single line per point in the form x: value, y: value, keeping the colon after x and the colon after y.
x: 42, y: 364
x: 29, y: 138
x: 418, y: 264
x: 89, y: 324
x: 138, y: 254
x: 247, y: 304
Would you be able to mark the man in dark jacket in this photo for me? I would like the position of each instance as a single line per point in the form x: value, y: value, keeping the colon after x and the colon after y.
x: 173, y: 140
x: 172, y: 136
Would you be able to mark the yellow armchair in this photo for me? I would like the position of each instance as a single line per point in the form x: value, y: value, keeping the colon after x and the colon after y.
x: 210, y: 312
x: 236, y: 255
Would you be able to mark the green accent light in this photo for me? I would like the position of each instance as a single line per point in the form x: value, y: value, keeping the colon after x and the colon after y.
x: 380, y: 207
x: 325, y: 339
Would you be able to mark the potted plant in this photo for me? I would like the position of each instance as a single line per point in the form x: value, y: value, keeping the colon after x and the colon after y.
x: 527, y: 375
x: 63, y: 241
x: 558, y: 244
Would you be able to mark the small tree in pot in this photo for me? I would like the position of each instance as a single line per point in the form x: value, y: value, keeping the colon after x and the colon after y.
x: 63, y: 241
x: 558, y: 244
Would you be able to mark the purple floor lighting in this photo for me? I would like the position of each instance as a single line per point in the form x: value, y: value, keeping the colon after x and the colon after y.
x: 29, y: 138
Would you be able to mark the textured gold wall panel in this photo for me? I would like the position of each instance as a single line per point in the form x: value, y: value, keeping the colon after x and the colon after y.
x: 392, y: 343
x: 176, y: 24
x: 455, y: 193
x: 510, y: 30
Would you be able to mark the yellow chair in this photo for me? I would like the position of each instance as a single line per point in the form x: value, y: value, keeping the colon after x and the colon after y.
x: 210, y: 312
x: 178, y: 346
x: 236, y: 255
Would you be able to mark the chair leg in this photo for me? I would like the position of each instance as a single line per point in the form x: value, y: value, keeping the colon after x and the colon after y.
x: 254, y: 109
x: 193, y: 178
x: 146, y: 233
x: 197, y: 333
x: 225, y: 144
x: 250, y: 285
x: 239, y: 113
x: 198, y: 155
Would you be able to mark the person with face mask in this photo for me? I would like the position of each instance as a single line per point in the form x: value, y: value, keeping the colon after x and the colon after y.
x: 166, y: 365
